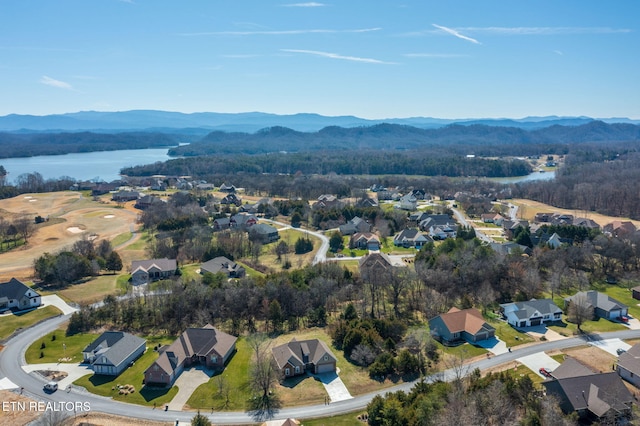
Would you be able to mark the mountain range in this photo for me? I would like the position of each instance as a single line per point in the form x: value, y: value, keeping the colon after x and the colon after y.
x: 202, y: 123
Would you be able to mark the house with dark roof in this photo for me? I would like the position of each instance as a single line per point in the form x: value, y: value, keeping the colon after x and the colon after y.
x: 619, y: 229
x: 16, y: 295
x: 301, y: 356
x: 205, y: 346
x: 221, y: 264
x: 424, y: 223
x: 531, y: 312
x: 374, y: 265
x: 355, y: 225
x: 227, y: 188
x: 327, y: 201
x: 629, y: 365
x: 112, y: 352
x: 124, y: 196
x: 461, y: 325
x: 593, y: 396
x: 243, y: 221
x: 221, y: 223
x: 604, y: 306
x: 145, y: 271
x: 367, y: 202
x: 364, y: 241
x: 231, y: 199
x: 408, y: 202
x: 264, y: 233
x: 411, y: 238
x: 148, y: 201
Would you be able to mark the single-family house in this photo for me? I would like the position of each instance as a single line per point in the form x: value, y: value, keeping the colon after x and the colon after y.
x: 374, y: 265
x: 619, y: 228
x: 16, y: 295
x: 260, y: 206
x: 221, y: 264
x: 635, y: 292
x: 145, y: 271
x: 286, y: 422
x: 604, y: 306
x: 367, y: 202
x: 461, y: 325
x: 227, y: 188
x: 510, y: 226
x: 231, y: 199
x: 531, y: 312
x: 147, y: 201
x: 124, y: 196
x: 629, y: 365
x: 593, y: 396
x: 264, y: 233
x: 243, y: 221
x: 327, y: 201
x: 408, y: 202
x: 206, y: 346
x: 411, y: 238
x: 364, y: 241
x: 301, y: 356
x: 426, y: 222
x: 495, y: 218
x: 441, y: 232
x: 510, y: 248
x: 112, y: 352
x: 221, y: 223
x: 420, y: 194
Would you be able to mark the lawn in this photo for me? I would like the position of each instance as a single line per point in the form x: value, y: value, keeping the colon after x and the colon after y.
x: 622, y: 294
x: 121, y: 239
x: 235, y: 378
x: 508, y: 334
x: 91, y: 291
x: 343, y: 420
x: 107, y: 385
x: 600, y: 325
x: 464, y: 351
x: 12, y: 322
x: 54, y: 351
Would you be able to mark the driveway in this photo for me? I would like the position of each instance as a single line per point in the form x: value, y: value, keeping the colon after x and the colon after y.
x: 74, y: 371
x: 610, y: 345
x: 334, y: 386
x: 188, y: 381
x: 539, y: 331
x: 494, y: 345
x: 536, y: 361
x: 56, y: 301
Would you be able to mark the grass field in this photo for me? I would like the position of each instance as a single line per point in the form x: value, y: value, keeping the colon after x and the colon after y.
x: 54, y: 350
x: 91, y: 291
x: 121, y: 239
x: 143, y: 395
x: 12, y: 322
x: 508, y: 334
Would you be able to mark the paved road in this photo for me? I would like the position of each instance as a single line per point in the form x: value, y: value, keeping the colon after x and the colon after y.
x: 12, y: 360
x: 321, y: 256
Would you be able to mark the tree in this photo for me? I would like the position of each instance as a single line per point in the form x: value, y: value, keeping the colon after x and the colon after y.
x: 114, y: 262
x: 264, y: 375
x: 335, y: 242
x: 200, y: 420
x: 580, y: 310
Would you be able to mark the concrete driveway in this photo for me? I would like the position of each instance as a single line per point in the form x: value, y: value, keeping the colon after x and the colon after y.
x: 188, y: 381
x: 610, y: 345
x: 539, y: 331
x: 537, y: 361
x: 56, y: 301
x: 74, y: 371
x: 334, y: 386
x: 494, y: 345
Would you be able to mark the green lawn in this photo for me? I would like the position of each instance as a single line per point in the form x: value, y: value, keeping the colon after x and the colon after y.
x: 91, y: 291
x: 12, y: 322
x: 508, y: 334
x: 343, y: 420
x: 600, y: 325
x: 190, y: 272
x: 54, y: 350
x: 107, y: 385
x: 465, y: 350
x: 235, y: 378
x: 121, y: 239
x: 622, y: 294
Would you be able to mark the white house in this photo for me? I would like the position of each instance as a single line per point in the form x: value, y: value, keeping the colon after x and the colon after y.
x: 17, y: 295
x: 532, y: 312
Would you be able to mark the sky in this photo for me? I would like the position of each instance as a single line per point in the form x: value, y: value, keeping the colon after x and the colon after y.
x: 368, y: 58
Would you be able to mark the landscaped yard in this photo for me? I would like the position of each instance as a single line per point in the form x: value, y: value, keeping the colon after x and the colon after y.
x: 12, y: 322
x: 91, y: 291
x: 508, y: 334
x: 143, y: 395
x: 54, y: 350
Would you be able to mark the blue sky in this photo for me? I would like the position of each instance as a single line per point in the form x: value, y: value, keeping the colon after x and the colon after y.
x: 372, y: 59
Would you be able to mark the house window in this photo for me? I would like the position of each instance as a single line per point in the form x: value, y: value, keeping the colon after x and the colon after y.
x: 214, y: 359
x: 287, y: 372
x: 325, y: 357
x: 297, y: 369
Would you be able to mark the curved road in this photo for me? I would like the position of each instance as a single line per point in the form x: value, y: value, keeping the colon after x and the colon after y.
x: 321, y: 256
x: 12, y: 359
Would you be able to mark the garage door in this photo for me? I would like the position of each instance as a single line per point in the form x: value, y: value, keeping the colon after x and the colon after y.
x: 326, y: 368
x: 536, y: 322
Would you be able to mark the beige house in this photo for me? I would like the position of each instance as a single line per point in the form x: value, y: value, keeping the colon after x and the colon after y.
x: 302, y: 356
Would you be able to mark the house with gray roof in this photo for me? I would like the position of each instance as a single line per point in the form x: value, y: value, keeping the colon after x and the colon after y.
x: 301, y: 356
x: 604, y: 306
x: 411, y: 238
x: 629, y: 365
x: 354, y: 226
x: 265, y: 233
x: 592, y: 396
x: 112, y: 352
x: 223, y: 265
x: 18, y: 296
x: 531, y: 312
x: 205, y: 346
x: 145, y: 271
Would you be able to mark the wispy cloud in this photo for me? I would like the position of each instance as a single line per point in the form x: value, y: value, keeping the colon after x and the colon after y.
x: 55, y: 83
x: 558, y: 52
x: 434, y: 55
x: 456, y: 33
x: 308, y: 4
x: 337, y: 56
x: 280, y: 32
x: 543, y: 30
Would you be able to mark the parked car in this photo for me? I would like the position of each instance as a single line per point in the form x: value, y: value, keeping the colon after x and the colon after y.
x: 545, y: 372
x: 620, y: 351
x: 624, y: 319
x: 51, y: 387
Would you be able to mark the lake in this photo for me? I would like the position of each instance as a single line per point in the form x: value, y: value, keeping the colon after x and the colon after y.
x: 103, y: 165
x: 530, y: 177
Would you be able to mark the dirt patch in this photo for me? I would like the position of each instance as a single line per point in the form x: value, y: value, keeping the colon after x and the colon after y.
x: 15, y: 415
x: 56, y: 376
x: 99, y: 419
x: 594, y: 358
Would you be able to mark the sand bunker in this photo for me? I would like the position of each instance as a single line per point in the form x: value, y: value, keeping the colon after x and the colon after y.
x: 75, y: 230
x: 27, y: 197
x: 109, y: 216
x: 32, y: 200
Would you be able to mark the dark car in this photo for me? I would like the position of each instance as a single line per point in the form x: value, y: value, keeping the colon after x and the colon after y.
x: 545, y: 372
x: 620, y: 351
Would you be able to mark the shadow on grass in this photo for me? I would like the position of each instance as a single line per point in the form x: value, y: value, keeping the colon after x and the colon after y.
x: 99, y: 379
x: 292, y: 382
x: 150, y: 392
